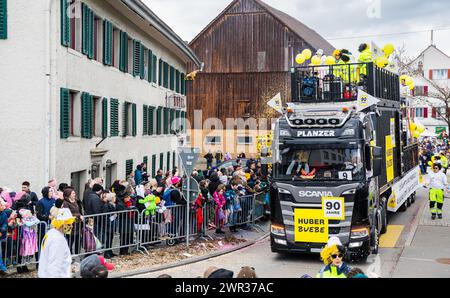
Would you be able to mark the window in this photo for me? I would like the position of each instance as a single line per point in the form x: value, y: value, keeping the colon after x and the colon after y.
x: 98, y: 39
x: 166, y: 75
x: 243, y: 108
x: 116, y: 48
x: 3, y: 19
x: 154, y: 66
x: 128, y: 167
x: 172, y: 78
x: 158, y: 120
x: 440, y: 74
x: 168, y: 161
x: 87, y: 110
x: 88, y: 31
x: 123, y: 63
x: 244, y: 140
x: 130, y: 53
x: 421, y: 91
x: 129, y: 119
x: 214, y: 140
x: 418, y: 112
x: 97, y: 116
x: 108, y: 43
x: 75, y: 113
x: 161, y: 161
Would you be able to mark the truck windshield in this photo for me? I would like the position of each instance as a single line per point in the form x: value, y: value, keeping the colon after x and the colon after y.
x: 320, y: 164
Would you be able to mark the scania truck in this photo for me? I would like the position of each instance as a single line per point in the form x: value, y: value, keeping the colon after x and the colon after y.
x: 343, y: 157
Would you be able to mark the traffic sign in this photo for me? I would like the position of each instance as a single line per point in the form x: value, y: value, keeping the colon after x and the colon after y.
x: 193, y: 188
x: 189, y: 157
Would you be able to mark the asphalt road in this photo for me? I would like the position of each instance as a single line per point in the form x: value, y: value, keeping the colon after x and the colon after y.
x: 270, y: 265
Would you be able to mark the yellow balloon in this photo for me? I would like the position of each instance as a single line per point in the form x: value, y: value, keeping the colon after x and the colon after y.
x: 388, y: 49
x: 382, y: 62
x: 330, y: 60
x: 315, y: 60
x: 420, y: 128
x: 411, y: 86
x: 409, y: 81
x: 300, y: 59
x: 416, y: 134
x: 412, y: 126
x: 307, y: 54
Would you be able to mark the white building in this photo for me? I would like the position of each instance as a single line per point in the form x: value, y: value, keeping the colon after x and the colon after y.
x: 76, y: 72
x: 434, y: 66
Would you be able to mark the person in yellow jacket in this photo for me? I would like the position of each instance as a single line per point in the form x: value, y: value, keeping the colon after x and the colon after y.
x: 332, y: 256
x: 364, y: 57
x: 437, y: 182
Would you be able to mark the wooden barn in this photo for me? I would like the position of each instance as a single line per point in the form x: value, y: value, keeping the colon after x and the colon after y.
x: 248, y: 51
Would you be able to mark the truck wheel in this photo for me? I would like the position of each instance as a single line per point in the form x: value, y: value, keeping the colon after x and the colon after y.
x: 384, y: 216
x: 408, y: 201
x: 413, y: 197
x: 376, y: 241
x: 403, y: 207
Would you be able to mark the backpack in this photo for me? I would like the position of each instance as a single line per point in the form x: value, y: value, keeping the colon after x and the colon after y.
x: 166, y: 197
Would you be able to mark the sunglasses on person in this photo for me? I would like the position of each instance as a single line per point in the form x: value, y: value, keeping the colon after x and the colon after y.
x: 334, y: 256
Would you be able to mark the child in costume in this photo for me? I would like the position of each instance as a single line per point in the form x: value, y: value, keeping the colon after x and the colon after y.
x: 332, y: 256
x: 28, y: 241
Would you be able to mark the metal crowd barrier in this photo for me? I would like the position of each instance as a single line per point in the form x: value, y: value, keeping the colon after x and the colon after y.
x: 122, y: 230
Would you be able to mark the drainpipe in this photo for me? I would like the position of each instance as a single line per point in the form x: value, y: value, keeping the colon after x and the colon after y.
x: 48, y: 89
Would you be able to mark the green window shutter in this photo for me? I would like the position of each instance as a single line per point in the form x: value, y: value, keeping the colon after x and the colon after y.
x: 134, y: 120
x: 86, y: 115
x: 183, y: 84
x: 160, y: 73
x: 166, y: 121
x: 85, y: 29
x: 172, y: 78
x: 154, y: 69
x: 125, y: 119
x: 4, y: 19
x: 145, y: 161
x: 177, y: 81
x: 107, y: 42
x: 123, y: 52
x: 91, y: 35
x: 153, y: 165
x: 151, y: 127
x: 174, y: 160
x: 168, y: 162
x: 150, y: 66
x: 183, y: 121
x: 105, y: 118
x: 142, y: 62
x: 114, y: 117
x: 64, y: 113
x: 145, y: 120
x: 161, y: 161
x: 128, y: 167
x: 65, y: 22
x: 166, y: 75
x: 136, y: 57
x: 177, y: 121
x: 158, y: 120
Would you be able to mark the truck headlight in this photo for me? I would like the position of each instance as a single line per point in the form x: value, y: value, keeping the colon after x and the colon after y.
x: 277, y: 230
x: 280, y: 190
x: 359, y: 232
x: 349, y: 132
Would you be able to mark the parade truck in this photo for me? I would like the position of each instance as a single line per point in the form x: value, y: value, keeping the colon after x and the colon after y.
x: 343, y: 158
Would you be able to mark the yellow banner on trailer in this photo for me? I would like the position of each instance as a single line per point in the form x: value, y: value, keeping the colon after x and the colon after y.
x: 389, y: 159
x: 310, y: 226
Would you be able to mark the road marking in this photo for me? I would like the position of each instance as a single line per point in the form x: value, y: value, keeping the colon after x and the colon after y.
x: 389, y: 239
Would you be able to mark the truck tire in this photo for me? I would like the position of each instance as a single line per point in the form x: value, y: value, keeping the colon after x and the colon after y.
x: 413, y: 197
x: 403, y: 207
x: 375, y: 241
x: 384, y: 215
x: 408, y: 202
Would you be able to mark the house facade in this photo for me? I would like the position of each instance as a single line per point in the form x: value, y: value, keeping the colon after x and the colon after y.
x: 248, y: 51
x: 93, y: 88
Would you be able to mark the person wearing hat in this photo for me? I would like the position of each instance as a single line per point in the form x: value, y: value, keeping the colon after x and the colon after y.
x: 95, y: 266
x: 364, y: 57
x: 55, y: 259
x: 332, y: 256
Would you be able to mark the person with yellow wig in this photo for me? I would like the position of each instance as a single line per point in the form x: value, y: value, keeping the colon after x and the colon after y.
x: 332, y: 256
x: 55, y: 259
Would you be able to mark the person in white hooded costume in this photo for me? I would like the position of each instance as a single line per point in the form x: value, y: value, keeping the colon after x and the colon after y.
x: 55, y: 259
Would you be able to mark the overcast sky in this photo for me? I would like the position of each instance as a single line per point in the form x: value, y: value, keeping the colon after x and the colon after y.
x: 331, y: 19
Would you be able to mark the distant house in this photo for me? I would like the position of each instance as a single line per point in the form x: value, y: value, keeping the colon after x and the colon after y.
x: 434, y: 67
x: 248, y: 51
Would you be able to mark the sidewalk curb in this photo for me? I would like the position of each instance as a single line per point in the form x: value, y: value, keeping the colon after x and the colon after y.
x: 190, y: 261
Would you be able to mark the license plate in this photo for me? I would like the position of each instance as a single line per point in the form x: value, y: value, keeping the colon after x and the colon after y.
x: 310, y: 226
